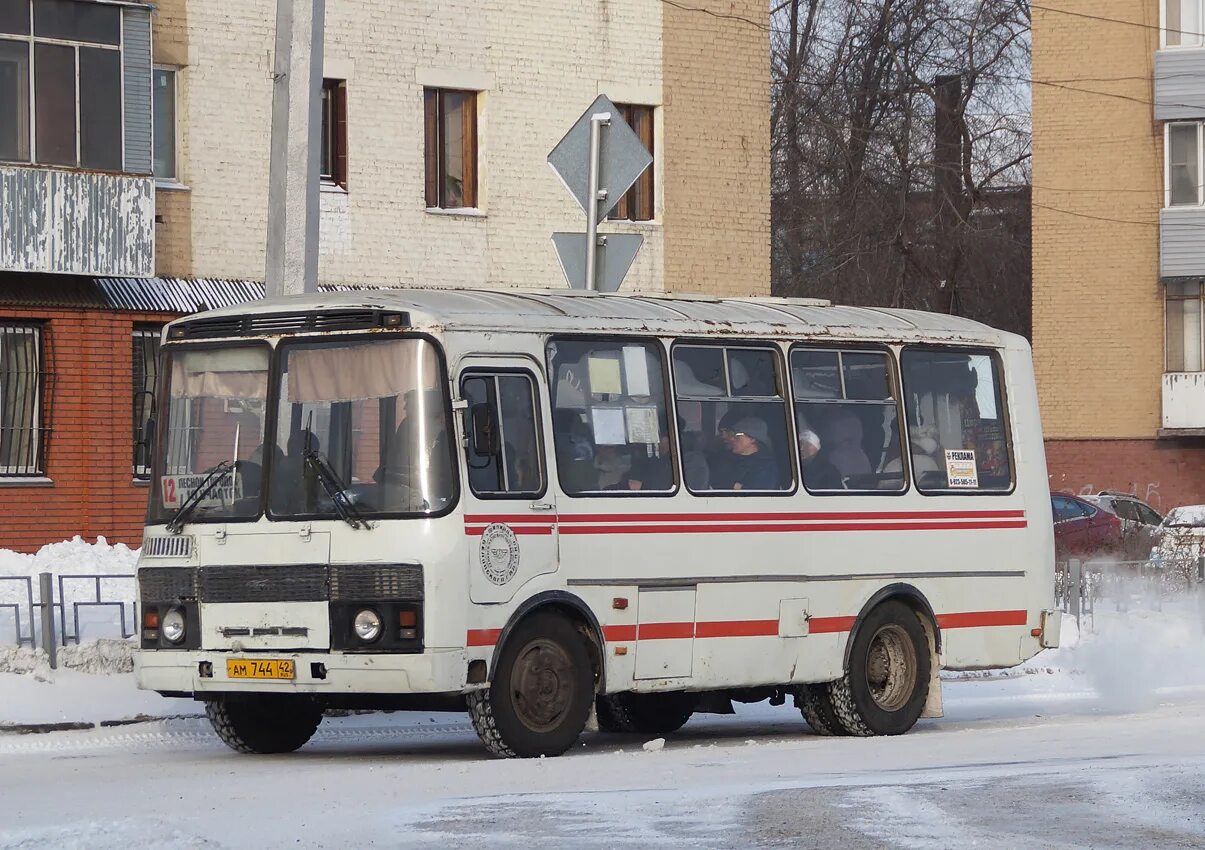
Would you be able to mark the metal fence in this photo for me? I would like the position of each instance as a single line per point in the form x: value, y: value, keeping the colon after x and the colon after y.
x: 43, y: 620
x: 1082, y: 586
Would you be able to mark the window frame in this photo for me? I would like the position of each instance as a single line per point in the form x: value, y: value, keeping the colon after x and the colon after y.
x: 332, y: 156
x: 1167, y: 164
x: 670, y: 413
x: 40, y: 430
x: 896, y: 384
x: 145, y: 332
x: 1164, y: 29
x: 174, y: 71
x: 1002, y: 400
x: 783, y: 379
x: 435, y: 150
x: 31, y: 40
x: 646, y: 183
x: 1168, y: 300
x: 537, y: 412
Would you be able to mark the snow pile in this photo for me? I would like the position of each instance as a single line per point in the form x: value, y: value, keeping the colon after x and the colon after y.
x: 70, y: 557
x: 101, y: 656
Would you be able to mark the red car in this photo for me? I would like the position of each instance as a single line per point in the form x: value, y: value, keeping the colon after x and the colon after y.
x: 1084, y: 530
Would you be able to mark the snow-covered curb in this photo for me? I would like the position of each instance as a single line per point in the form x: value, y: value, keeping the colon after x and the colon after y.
x: 100, y: 656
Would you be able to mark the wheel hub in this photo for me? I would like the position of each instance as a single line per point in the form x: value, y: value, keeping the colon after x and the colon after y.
x: 891, y: 668
x: 542, y: 685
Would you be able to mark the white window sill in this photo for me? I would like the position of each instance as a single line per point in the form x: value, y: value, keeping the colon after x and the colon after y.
x: 459, y: 212
x: 651, y: 224
x: 328, y: 187
x: 6, y: 481
x: 171, y: 186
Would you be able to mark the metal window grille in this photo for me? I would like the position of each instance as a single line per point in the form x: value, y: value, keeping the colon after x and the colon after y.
x: 22, y: 382
x: 145, y: 379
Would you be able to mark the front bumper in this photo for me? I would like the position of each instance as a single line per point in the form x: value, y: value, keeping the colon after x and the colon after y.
x: 179, y: 671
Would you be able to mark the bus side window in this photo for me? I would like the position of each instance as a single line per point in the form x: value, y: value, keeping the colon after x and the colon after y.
x: 731, y: 404
x: 956, y: 420
x: 847, y: 420
x: 503, y: 403
x: 610, y: 417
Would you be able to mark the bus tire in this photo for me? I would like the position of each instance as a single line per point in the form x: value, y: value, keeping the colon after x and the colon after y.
x: 884, y: 689
x: 264, y: 723
x: 816, y: 706
x: 645, y: 713
x: 539, y: 698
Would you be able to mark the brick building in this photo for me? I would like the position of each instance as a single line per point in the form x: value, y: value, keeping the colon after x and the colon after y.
x: 437, y: 119
x: 1119, y: 256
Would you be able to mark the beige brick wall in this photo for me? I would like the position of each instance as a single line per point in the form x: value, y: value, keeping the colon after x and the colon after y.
x: 1097, y: 162
x: 717, y: 117
x: 541, y: 62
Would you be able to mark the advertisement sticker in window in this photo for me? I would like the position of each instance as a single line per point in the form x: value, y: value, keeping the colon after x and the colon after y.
x: 960, y: 468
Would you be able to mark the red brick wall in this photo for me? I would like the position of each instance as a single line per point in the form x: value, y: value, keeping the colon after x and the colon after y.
x: 1166, y: 473
x: 89, y: 453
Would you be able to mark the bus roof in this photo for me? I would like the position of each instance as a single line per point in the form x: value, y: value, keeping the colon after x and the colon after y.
x: 569, y: 311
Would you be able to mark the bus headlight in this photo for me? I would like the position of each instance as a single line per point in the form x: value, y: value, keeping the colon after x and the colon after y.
x: 172, y: 626
x: 367, y: 625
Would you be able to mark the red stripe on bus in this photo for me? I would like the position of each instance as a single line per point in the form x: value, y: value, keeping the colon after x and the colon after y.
x: 830, y: 625
x: 980, y: 619
x: 478, y: 530
x: 768, y: 517
x: 665, y: 631
x: 509, y: 519
x: 737, y: 628
x: 483, y: 637
x: 769, y: 529
x: 619, y: 634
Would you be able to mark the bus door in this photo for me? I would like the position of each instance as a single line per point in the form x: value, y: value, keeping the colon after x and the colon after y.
x: 510, y: 511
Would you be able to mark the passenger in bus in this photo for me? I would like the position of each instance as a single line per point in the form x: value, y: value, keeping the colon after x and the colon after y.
x: 652, y: 470
x: 695, y: 468
x: 611, y: 464
x: 752, y: 465
x: 574, y: 452
x: 818, y: 473
x: 842, y: 441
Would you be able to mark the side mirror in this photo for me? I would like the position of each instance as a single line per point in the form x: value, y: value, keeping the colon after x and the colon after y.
x: 484, y: 420
x: 146, y: 441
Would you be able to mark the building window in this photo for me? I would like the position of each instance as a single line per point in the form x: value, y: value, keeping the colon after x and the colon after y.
x: 637, y: 203
x: 450, y: 120
x: 1184, y: 164
x: 73, y: 50
x: 1184, y: 327
x: 1182, y: 23
x: 333, y: 153
x: 21, y: 383
x: 164, y: 107
x: 145, y: 379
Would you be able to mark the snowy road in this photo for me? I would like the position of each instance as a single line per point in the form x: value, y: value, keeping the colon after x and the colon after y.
x: 1031, y: 762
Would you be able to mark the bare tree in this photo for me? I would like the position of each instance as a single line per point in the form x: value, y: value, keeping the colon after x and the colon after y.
x: 901, y: 152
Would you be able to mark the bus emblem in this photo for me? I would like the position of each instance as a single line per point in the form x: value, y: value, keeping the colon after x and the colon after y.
x: 499, y: 553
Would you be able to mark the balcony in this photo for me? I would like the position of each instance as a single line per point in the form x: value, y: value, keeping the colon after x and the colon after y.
x: 1183, y: 404
x: 76, y: 222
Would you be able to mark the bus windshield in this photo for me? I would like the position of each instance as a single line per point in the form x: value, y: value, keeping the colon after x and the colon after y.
x: 213, y: 432
x: 373, y: 413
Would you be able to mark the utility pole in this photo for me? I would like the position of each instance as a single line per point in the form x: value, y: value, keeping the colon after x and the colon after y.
x: 293, y: 183
x: 947, y: 184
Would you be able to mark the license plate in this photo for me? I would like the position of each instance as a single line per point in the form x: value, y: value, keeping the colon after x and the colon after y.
x: 249, y: 668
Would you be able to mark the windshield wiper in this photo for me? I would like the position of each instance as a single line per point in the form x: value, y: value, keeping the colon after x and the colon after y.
x: 176, y: 524
x: 335, y: 489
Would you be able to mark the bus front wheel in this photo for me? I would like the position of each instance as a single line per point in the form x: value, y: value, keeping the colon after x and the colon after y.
x: 267, y: 723
x: 541, y: 691
x: 884, y: 689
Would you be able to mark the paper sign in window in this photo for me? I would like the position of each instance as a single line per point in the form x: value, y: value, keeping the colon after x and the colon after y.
x: 642, y: 425
x: 605, y: 376
x: 960, y: 469
x: 636, y: 369
x: 608, y: 423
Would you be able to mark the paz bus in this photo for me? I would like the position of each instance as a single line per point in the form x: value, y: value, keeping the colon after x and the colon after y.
x: 555, y: 509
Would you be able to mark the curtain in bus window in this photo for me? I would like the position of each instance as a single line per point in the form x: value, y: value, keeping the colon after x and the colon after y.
x: 732, y: 418
x: 234, y: 373
x: 369, y: 370
x: 847, y: 420
x: 956, y: 422
x: 610, y: 416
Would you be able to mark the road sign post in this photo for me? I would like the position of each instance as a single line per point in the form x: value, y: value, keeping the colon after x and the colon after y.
x: 598, y: 160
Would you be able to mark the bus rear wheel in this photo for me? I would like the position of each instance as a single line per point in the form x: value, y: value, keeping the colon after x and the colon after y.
x: 816, y: 706
x: 645, y: 713
x: 264, y: 723
x: 884, y: 689
x: 540, y: 694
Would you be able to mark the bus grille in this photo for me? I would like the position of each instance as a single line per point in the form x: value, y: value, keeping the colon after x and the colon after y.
x: 373, y: 582
x: 174, y: 546
x: 166, y: 584
x: 286, y: 583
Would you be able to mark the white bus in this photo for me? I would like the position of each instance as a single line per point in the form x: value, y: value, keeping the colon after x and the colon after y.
x: 558, y: 506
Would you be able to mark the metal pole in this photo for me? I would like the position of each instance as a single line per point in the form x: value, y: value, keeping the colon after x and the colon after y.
x: 597, y: 122
x: 1076, y: 570
x: 46, y: 585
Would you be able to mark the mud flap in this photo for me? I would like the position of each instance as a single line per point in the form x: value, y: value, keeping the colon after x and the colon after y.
x: 933, y: 706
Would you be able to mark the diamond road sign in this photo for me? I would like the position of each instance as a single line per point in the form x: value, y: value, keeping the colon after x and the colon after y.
x: 622, y: 157
x: 616, y: 251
